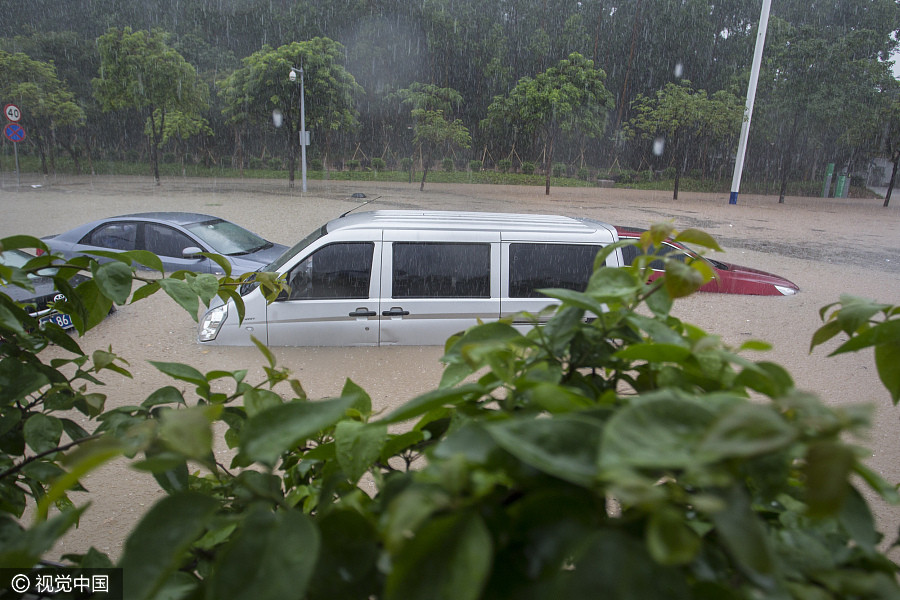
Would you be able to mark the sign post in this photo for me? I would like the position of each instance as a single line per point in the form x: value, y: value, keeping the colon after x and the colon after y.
x: 14, y: 132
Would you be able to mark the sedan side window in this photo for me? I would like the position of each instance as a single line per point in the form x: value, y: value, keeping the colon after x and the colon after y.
x: 115, y: 236
x: 165, y: 241
x: 341, y: 270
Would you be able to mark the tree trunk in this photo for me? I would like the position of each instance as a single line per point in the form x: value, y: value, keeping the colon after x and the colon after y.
x: 896, y: 160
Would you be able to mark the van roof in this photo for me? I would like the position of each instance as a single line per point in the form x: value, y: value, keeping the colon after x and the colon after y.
x: 467, y: 221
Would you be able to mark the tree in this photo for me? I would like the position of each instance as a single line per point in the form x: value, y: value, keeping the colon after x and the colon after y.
x: 138, y: 70
x: 630, y: 452
x: 45, y: 102
x: 179, y: 127
x: 683, y: 115
x: 892, y: 141
x: 432, y: 130
x: 563, y: 99
x: 262, y: 86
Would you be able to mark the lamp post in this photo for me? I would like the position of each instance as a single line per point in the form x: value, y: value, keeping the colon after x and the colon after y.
x: 293, y: 78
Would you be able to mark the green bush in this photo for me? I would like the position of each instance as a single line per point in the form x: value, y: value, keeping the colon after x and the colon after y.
x: 559, y: 169
x: 316, y: 164
x: 528, y: 168
x: 378, y: 164
x: 256, y: 163
x: 504, y: 165
x: 352, y: 164
x: 627, y: 454
x: 406, y: 164
x: 475, y: 166
x: 583, y: 174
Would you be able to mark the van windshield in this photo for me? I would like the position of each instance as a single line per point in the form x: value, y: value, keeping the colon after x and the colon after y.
x: 296, y: 248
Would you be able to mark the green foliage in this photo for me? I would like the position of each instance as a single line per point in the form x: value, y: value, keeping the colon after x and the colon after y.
x: 614, y: 450
x: 504, y: 165
x: 566, y: 99
x: 583, y: 173
x: 378, y: 164
x: 447, y: 165
x: 528, y: 168
x: 475, y: 166
x: 559, y: 169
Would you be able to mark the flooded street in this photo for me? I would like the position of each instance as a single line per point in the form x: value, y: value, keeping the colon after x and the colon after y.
x: 828, y: 247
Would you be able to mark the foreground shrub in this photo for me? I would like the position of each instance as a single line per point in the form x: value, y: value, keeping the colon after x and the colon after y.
x: 613, y: 451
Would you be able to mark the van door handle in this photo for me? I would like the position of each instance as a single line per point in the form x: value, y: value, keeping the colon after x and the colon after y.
x: 395, y: 311
x: 362, y: 311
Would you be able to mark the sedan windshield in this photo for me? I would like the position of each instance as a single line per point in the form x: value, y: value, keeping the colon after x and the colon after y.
x: 227, y: 238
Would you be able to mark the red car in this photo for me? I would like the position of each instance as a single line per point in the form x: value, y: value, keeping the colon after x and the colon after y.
x: 730, y: 279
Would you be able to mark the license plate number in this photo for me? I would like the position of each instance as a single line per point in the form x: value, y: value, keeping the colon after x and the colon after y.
x: 63, y: 320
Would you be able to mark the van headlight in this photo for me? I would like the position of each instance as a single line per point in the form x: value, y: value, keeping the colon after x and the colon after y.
x: 212, y: 323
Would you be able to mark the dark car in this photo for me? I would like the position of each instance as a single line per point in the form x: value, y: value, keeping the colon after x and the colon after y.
x: 37, y: 301
x: 729, y: 279
x: 178, y: 238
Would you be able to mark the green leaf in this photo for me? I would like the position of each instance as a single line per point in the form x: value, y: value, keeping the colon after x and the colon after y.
x: 155, y: 548
x: 744, y: 536
x: 682, y: 280
x: 271, y: 557
x: 22, y: 242
x: 887, y: 360
x: 698, y: 237
x: 206, y: 286
x: 661, y: 432
x: 271, y: 432
x: 146, y: 258
x: 164, y: 395
x: 828, y: 467
x: 114, y: 280
x: 745, y: 431
x: 257, y: 400
x: 181, y: 371
x: 348, y: 558
x: 613, y: 284
x: 42, y: 432
x: 183, y: 294
x: 434, y: 399
x: 565, y: 446
x: 449, y: 558
x: 220, y: 260
x: 670, y: 540
x: 360, y: 398
x: 189, y: 431
x: 358, y: 446
x: 654, y: 352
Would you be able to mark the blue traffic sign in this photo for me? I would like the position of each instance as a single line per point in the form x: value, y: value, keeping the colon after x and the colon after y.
x: 14, y: 132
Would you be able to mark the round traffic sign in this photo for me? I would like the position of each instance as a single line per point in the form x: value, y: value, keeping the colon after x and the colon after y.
x: 14, y: 132
x: 12, y: 112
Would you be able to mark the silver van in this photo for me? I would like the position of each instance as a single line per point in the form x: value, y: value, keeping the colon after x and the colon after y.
x: 413, y: 277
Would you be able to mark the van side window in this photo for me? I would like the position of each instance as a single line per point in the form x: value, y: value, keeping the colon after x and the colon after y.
x: 536, y: 266
x: 340, y: 270
x: 441, y: 270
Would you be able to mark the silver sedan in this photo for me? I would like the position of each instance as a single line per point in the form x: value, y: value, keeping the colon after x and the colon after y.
x: 178, y: 238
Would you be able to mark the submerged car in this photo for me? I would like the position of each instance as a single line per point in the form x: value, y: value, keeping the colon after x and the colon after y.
x: 729, y: 279
x: 178, y: 238
x: 37, y: 301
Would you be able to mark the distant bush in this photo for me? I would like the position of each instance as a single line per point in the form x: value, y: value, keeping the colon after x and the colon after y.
x: 475, y: 166
x: 669, y: 173
x: 352, y: 164
x: 528, y: 168
x: 406, y: 163
x: 559, y: 169
x: 316, y: 164
x: 378, y: 164
x: 504, y: 165
x: 447, y: 165
x: 583, y: 174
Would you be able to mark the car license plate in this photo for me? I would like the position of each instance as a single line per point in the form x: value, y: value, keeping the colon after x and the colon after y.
x: 61, y: 319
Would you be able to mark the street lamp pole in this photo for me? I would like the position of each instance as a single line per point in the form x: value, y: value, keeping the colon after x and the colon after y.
x: 293, y: 77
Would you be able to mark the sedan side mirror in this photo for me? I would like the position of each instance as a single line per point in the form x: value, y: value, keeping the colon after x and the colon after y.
x: 192, y: 252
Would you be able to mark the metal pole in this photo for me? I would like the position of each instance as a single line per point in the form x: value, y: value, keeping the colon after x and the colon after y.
x: 751, y: 97
x: 302, y: 133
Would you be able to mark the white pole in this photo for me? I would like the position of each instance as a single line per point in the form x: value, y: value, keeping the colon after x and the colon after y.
x: 751, y: 97
x: 303, y: 133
